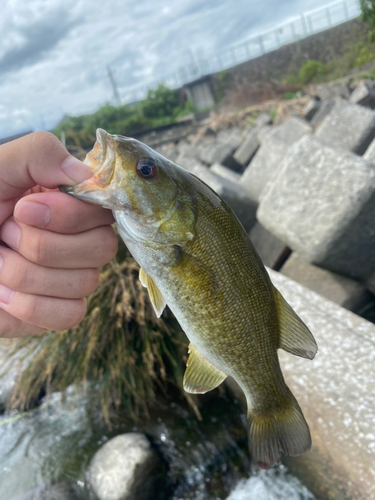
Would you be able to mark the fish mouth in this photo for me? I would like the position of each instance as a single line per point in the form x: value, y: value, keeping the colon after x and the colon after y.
x: 101, y: 159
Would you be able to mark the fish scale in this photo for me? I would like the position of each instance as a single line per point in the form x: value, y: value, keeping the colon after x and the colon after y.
x: 196, y: 257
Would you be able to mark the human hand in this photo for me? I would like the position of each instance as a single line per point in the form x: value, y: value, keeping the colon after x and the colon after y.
x: 56, y: 243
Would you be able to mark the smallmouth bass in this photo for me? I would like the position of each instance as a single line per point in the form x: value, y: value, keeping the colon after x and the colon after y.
x: 196, y: 257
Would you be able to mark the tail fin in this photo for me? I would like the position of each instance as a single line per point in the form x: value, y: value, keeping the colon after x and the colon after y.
x: 285, y: 432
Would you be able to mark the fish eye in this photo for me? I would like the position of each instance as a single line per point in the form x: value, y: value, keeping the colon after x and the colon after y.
x: 146, y: 169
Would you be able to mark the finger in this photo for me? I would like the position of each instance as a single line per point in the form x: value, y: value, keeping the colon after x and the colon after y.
x: 37, y: 159
x: 21, y: 275
x: 60, y: 213
x: 44, y: 312
x: 92, y: 248
x: 11, y: 327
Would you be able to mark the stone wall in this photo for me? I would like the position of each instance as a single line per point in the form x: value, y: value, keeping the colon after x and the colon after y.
x: 324, y: 47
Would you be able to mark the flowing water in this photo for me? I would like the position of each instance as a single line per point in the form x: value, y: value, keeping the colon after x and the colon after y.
x: 206, y: 460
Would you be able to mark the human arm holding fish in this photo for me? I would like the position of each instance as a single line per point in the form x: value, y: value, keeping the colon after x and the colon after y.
x: 51, y: 245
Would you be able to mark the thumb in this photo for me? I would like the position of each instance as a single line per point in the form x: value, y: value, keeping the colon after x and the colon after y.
x: 37, y: 159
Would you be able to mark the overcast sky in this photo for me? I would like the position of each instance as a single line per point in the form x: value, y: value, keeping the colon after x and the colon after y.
x: 54, y: 53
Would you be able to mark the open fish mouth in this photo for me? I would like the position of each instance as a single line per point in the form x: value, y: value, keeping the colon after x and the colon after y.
x: 102, y: 160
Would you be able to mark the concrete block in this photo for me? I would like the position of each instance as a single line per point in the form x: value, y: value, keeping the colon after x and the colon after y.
x: 233, y: 193
x: 247, y: 148
x: 321, y: 203
x: 292, y: 129
x: 333, y: 91
x: 311, y: 108
x: 336, y: 392
x: 364, y: 95
x: 232, y: 136
x: 271, y: 250
x: 370, y: 152
x: 324, y: 109
x: 225, y: 172
x: 348, y: 126
x: 264, y: 164
x: 262, y: 120
x: 263, y: 131
x: 346, y: 292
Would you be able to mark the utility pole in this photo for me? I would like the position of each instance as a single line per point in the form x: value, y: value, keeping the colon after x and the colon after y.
x: 114, y: 85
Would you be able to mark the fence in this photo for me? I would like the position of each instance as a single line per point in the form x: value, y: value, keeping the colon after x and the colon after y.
x: 304, y: 25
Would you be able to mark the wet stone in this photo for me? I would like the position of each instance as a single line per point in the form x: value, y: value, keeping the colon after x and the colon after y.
x: 348, y: 126
x: 125, y: 468
x: 343, y: 291
x: 60, y: 489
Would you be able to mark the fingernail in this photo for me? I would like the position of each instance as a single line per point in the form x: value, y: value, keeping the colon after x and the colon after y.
x: 6, y: 294
x: 76, y: 170
x: 11, y: 234
x: 32, y: 213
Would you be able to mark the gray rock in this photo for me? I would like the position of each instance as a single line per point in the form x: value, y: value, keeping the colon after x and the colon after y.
x: 263, y: 132
x: 125, y: 468
x: 371, y: 284
x: 225, y: 172
x: 333, y: 91
x: 311, y: 108
x: 271, y: 250
x: 321, y: 203
x: 232, y: 136
x: 348, y: 126
x: 292, y: 129
x: 363, y: 95
x: 264, y: 164
x: 233, y: 193
x: 247, y: 148
x: 60, y: 489
x: 215, y: 152
x: 336, y: 392
x: 324, y: 109
x: 344, y: 291
x: 370, y: 152
x: 262, y: 120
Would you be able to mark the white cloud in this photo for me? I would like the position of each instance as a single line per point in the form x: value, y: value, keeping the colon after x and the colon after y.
x: 54, y: 53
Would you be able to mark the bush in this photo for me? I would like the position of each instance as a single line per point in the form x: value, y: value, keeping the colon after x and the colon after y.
x: 311, y: 71
x: 365, y: 56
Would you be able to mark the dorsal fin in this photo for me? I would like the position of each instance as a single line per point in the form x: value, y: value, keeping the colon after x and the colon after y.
x: 156, y: 298
x: 294, y: 337
x: 201, y: 375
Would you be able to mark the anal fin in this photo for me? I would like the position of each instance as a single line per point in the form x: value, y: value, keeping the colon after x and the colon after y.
x: 156, y: 298
x: 295, y: 337
x: 201, y: 375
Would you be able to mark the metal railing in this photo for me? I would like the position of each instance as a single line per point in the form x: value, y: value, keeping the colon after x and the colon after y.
x: 302, y: 26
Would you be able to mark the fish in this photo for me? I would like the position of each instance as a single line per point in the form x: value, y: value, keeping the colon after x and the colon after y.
x: 196, y: 257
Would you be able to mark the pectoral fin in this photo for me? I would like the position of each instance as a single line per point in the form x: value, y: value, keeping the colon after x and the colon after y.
x: 201, y: 376
x: 156, y: 298
x: 295, y: 337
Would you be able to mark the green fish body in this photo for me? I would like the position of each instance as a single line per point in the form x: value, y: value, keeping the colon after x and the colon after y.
x: 196, y: 257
